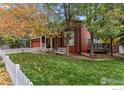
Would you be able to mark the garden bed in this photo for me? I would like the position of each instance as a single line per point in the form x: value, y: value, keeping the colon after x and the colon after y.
x: 4, y: 75
x: 48, y: 69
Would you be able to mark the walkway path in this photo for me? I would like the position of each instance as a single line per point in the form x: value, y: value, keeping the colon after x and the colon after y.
x: 4, y: 77
x: 97, y: 57
x: 87, y: 58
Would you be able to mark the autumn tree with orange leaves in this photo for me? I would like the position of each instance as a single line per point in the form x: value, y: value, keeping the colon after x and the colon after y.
x: 18, y: 20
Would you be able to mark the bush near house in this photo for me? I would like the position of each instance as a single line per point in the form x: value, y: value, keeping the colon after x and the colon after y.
x: 20, y: 43
x: 44, y: 69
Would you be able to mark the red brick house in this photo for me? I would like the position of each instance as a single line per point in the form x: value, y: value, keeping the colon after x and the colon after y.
x: 78, y: 42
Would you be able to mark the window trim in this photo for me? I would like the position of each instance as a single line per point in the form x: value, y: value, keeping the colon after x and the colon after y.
x: 74, y: 40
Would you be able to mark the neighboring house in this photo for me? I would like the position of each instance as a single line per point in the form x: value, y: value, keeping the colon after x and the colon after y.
x: 121, y: 46
x: 121, y: 49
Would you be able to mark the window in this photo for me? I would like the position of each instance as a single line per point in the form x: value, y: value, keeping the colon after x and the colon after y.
x: 43, y: 39
x: 43, y: 42
x: 71, y: 39
x: 89, y: 41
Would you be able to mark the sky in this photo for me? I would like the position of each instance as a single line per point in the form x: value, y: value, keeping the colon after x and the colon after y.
x: 82, y: 17
x: 40, y: 8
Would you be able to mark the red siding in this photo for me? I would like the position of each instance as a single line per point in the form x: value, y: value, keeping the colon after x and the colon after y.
x: 35, y: 43
x: 80, y: 42
x: 72, y: 50
x: 84, y: 39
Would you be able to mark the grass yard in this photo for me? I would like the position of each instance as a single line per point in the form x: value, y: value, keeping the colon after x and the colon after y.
x: 60, y: 70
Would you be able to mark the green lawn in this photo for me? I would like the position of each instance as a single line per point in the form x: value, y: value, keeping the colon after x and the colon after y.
x: 60, y: 70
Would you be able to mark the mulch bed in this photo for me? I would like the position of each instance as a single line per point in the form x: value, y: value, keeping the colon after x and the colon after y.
x: 99, y: 56
x: 104, y: 56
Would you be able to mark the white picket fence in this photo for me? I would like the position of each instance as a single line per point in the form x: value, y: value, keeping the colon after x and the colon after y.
x: 20, y: 50
x: 16, y: 75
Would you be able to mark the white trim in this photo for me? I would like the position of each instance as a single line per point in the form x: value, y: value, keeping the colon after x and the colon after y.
x: 35, y: 38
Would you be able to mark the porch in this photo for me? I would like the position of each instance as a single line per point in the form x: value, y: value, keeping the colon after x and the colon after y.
x: 42, y: 42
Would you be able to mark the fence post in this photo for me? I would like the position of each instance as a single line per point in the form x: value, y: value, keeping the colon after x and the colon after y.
x: 14, y: 71
x: 16, y: 77
x: 7, y: 56
x: 5, y: 59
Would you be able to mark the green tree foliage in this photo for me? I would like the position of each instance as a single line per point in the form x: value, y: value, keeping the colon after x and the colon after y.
x: 122, y: 26
x: 93, y: 20
x: 102, y: 21
x: 111, y: 27
x: 60, y: 16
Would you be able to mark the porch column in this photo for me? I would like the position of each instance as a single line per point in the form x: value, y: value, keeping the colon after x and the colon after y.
x: 51, y: 43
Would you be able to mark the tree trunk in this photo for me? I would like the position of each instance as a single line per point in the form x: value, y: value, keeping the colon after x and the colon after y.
x: 111, y: 48
x: 67, y: 13
x: 92, y: 45
x: 67, y: 45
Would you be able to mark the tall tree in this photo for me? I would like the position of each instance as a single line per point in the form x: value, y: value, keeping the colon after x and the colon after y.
x: 19, y: 20
x: 112, y: 25
x: 92, y: 21
x: 122, y: 26
x: 64, y: 13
